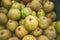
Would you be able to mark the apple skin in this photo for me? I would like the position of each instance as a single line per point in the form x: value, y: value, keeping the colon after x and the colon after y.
x: 58, y: 37
x: 29, y: 37
x: 31, y: 23
x: 37, y: 32
x: 14, y: 14
x: 50, y: 32
x: 21, y: 31
x: 3, y: 18
x: 42, y: 37
x: 57, y: 27
x: 21, y: 22
x: 26, y: 12
x: 53, y: 23
x: 33, y: 13
x: 12, y: 25
x: 40, y: 13
x: 4, y: 10
x: 44, y: 22
x: 48, y: 6
x: 35, y: 5
x: 7, y: 3
x: 2, y: 27
x: 5, y: 34
x: 51, y: 15
x: 15, y: 5
x: 13, y: 38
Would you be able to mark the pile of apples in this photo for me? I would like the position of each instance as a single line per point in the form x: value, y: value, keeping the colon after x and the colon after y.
x: 28, y: 20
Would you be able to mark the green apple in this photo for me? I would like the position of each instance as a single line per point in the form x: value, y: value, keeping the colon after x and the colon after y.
x: 25, y: 12
x: 57, y: 27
